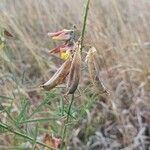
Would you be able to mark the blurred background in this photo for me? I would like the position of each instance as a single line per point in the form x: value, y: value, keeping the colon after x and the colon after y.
x: 119, y: 29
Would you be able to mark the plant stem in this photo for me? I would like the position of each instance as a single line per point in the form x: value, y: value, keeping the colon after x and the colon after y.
x: 38, y: 120
x: 84, y: 23
x: 68, y: 114
x: 72, y: 98
x: 6, y: 127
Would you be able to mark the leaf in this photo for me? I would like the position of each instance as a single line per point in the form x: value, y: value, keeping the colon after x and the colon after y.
x: 23, y: 111
x: 7, y: 33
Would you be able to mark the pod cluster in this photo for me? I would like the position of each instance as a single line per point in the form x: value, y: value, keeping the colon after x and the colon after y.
x: 70, y: 52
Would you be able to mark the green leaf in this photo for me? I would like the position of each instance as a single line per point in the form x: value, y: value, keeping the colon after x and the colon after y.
x: 23, y: 111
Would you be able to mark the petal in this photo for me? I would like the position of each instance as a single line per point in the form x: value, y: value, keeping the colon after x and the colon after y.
x: 54, y: 33
x: 63, y: 35
x: 57, y: 49
x: 64, y: 55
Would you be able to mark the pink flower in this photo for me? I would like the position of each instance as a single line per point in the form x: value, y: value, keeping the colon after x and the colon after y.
x: 63, y: 35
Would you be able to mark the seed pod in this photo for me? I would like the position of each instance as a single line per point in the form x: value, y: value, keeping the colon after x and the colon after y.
x: 74, y: 74
x: 59, y: 76
x: 94, y: 70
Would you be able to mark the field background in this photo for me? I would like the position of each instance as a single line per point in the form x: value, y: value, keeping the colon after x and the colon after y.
x: 120, y: 31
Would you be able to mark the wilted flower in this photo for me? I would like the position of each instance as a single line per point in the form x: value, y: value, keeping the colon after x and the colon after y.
x: 64, y: 50
x: 63, y: 35
x: 70, y: 52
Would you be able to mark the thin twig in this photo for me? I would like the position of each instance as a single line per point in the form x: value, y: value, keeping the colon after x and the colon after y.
x: 68, y: 114
x: 6, y: 127
x: 84, y: 23
x: 72, y: 98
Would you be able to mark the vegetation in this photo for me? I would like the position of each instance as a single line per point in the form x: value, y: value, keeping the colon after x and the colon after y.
x: 109, y: 106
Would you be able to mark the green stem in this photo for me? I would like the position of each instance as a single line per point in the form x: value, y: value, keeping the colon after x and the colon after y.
x: 6, y: 127
x: 67, y: 120
x: 84, y: 23
x: 72, y: 98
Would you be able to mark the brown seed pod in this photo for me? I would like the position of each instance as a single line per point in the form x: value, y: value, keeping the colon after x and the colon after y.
x: 94, y: 70
x: 59, y: 76
x: 74, y: 74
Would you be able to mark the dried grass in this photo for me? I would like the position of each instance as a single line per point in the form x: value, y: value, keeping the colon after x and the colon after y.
x: 119, y: 29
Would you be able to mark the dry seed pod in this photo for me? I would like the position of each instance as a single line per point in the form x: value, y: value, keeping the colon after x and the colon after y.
x: 89, y: 60
x: 94, y: 69
x: 74, y: 74
x: 59, y: 76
